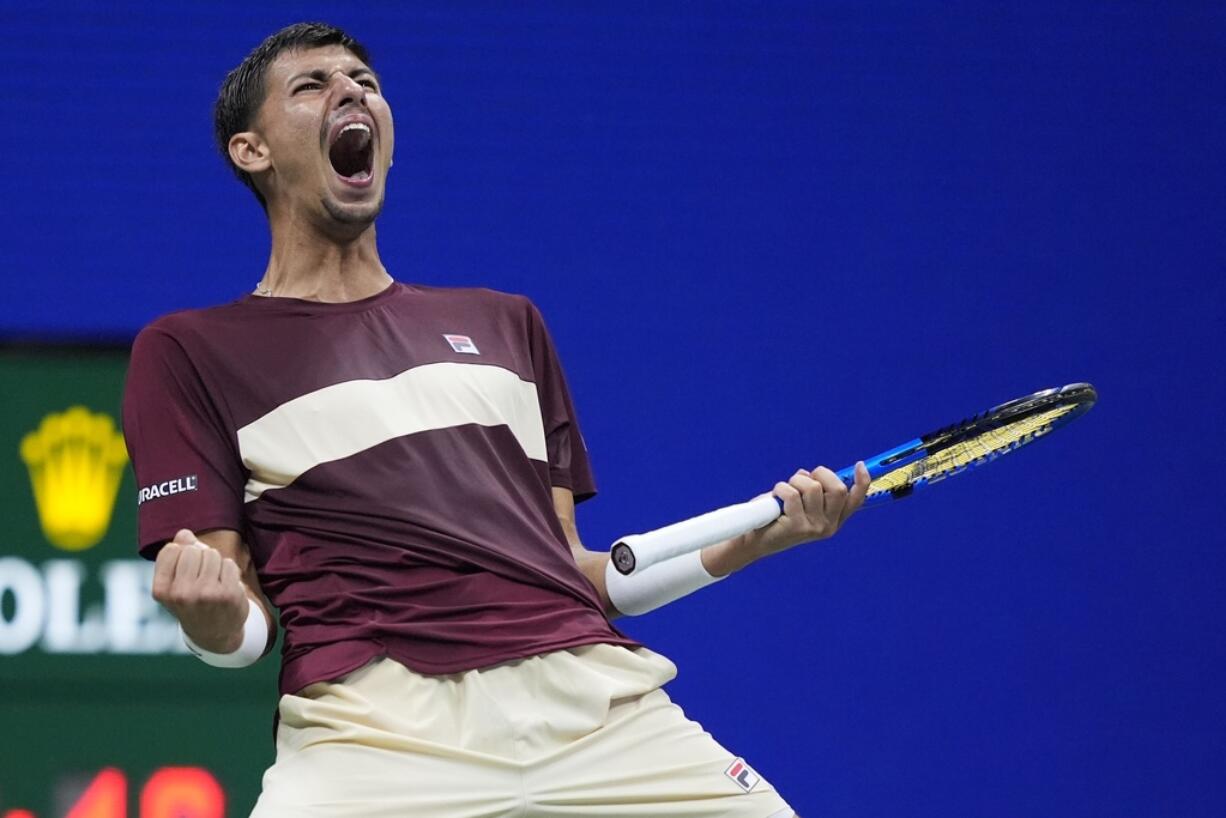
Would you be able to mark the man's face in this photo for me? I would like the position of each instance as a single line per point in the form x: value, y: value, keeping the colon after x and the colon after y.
x: 329, y: 135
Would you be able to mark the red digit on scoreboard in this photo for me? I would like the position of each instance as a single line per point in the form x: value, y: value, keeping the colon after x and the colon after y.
x: 182, y: 792
x: 171, y: 792
x: 105, y: 797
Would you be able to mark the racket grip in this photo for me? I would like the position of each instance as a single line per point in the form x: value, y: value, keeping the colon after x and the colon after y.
x: 636, y: 552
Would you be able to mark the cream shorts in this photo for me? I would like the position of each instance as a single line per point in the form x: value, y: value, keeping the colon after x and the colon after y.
x: 582, y: 732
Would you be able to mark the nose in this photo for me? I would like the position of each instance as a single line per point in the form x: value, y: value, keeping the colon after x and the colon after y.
x: 348, y: 90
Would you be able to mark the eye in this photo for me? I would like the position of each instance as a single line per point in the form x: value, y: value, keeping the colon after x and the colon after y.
x: 307, y: 86
x: 369, y: 83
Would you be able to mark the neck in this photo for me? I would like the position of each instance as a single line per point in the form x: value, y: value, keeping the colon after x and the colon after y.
x: 305, y: 263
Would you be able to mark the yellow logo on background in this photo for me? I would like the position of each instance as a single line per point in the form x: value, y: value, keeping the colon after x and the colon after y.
x: 76, y: 461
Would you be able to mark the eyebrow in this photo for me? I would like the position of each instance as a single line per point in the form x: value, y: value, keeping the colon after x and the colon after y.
x: 322, y: 76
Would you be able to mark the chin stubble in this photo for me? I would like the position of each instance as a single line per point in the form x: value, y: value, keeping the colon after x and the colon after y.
x: 346, y: 216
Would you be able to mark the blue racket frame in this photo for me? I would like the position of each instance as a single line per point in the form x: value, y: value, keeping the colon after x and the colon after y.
x: 1082, y: 395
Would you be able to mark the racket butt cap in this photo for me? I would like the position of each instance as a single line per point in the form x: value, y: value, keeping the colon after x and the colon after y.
x: 623, y: 558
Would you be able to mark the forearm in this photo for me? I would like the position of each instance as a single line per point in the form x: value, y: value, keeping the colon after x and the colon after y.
x: 731, y: 555
x: 647, y: 590
x: 669, y: 581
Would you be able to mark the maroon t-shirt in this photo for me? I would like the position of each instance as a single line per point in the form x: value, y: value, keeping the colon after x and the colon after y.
x: 388, y: 462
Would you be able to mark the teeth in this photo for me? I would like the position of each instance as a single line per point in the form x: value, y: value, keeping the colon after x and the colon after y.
x: 355, y: 126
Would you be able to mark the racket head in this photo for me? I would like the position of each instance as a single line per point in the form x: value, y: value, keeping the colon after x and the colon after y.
x: 972, y: 442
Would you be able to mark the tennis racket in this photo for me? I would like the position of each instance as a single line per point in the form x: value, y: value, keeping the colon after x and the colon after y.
x: 896, y: 473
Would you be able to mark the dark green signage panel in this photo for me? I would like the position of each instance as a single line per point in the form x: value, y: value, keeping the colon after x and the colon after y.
x: 104, y: 714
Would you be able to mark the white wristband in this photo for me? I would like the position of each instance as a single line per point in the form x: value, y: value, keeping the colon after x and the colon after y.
x: 255, y: 640
x: 657, y: 585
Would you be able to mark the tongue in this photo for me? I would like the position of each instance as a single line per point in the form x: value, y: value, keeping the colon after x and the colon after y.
x: 348, y: 153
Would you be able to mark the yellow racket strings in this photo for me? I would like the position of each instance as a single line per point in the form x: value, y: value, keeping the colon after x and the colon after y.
x: 978, y: 449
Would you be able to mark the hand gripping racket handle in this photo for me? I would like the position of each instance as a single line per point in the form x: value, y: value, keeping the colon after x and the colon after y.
x: 636, y: 552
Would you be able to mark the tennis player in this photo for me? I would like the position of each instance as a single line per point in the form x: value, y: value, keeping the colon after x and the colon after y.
x: 394, y: 469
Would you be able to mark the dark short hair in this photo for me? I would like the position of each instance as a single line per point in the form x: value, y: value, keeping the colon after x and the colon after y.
x: 242, y: 91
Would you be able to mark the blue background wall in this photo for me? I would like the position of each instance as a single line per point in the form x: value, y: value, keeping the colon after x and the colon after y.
x: 767, y: 237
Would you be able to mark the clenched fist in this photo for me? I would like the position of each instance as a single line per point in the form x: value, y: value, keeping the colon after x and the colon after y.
x: 204, y: 590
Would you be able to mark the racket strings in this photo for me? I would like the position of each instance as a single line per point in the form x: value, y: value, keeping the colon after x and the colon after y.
x: 975, y: 450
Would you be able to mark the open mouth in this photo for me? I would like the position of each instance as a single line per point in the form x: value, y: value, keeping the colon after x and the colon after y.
x: 352, y: 152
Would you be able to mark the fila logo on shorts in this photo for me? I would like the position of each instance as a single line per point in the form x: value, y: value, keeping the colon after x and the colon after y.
x: 462, y: 343
x: 742, y: 774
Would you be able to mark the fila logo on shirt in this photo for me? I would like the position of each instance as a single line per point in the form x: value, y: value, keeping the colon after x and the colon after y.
x: 462, y: 343
x: 742, y: 774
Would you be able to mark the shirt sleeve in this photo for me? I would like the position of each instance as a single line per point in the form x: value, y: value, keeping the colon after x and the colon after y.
x: 568, y: 460
x: 188, y: 471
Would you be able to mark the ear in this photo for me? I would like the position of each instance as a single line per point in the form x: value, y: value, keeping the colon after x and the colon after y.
x: 249, y: 152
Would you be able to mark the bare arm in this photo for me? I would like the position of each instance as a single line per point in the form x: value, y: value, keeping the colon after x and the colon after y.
x: 815, y: 506
x: 591, y: 563
x: 205, y: 580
